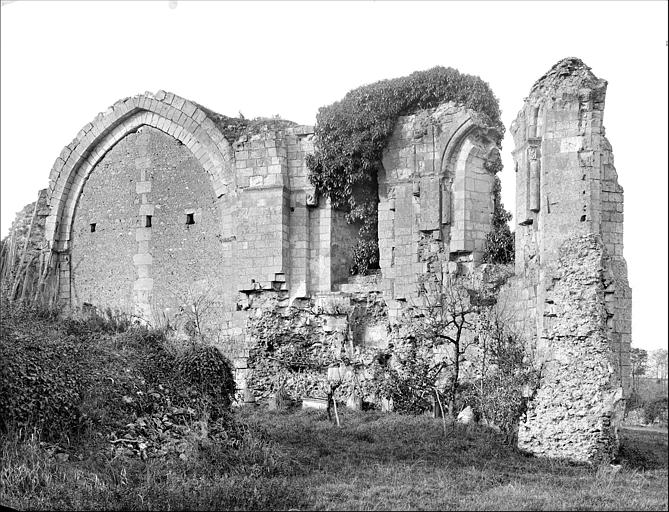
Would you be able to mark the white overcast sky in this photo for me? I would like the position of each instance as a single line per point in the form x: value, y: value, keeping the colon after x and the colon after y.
x: 63, y: 62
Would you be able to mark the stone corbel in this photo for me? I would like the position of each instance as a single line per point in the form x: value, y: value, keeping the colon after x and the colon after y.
x: 311, y: 197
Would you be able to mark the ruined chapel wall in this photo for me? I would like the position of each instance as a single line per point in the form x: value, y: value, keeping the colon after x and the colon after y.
x: 569, y: 264
x: 578, y: 406
x: 186, y: 258
x: 148, y: 270
x: 567, y: 187
x: 435, y: 198
x: 259, y: 215
x: 102, y: 261
x: 284, y: 235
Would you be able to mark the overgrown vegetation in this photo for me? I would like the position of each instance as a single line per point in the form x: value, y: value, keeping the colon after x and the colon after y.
x: 441, y: 330
x: 259, y: 460
x: 80, y: 375
x: 500, y: 244
x: 299, y: 460
x: 647, y: 403
x: 505, y: 378
x: 353, y: 132
x: 233, y: 128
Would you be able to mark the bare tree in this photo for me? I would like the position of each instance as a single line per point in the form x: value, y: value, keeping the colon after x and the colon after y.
x: 446, y: 318
x: 639, y: 362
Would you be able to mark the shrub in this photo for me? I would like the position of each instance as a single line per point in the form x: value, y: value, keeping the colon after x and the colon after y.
x: 409, y: 380
x: 506, y: 376
x: 655, y: 409
x: 40, y: 383
x: 93, y: 320
x: 207, y: 370
x: 499, y: 242
x: 353, y: 132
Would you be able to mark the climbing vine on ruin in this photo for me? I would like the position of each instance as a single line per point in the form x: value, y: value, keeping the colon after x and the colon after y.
x: 353, y: 132
x: 499, y: 242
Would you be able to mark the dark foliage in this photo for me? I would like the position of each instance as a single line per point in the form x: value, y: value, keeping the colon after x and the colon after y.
x: 500, y: 242
x: 353, y: 132
x: 206, y: 369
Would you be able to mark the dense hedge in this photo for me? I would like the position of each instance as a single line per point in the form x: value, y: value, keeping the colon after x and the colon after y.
x: 63, y: 377
x: 353, y: 132
x: 40, y: 383
x: 206, y: 369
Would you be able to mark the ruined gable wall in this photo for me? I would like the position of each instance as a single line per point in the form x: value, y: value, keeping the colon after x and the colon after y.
x: 185, y: 258
x: 570, y: 291
x: 144, y: 270
x: 102, y: 261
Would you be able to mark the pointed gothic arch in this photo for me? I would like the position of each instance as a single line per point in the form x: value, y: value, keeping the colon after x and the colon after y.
x: 170, y: 113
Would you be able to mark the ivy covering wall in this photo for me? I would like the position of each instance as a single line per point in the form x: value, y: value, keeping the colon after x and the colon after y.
x: 352, y: 134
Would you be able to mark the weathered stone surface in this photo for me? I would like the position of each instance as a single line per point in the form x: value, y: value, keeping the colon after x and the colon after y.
x: 435, y: 200
x: 570, y: 296
x: 580, y: 399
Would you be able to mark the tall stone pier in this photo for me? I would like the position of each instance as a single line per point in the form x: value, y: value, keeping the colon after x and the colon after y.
x: 570, y: 294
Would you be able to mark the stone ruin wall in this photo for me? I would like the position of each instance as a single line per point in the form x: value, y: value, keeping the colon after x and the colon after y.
x: 262, y: 240
x: 131, y: 246
x: 23, y: 253
x: 435, y: 200
x: 570, y: 292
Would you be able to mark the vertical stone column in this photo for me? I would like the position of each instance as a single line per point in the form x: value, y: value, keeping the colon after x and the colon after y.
x: 320, y: 237
x: 64, y: 280
x: 534, y: 157
x: 142, y: 260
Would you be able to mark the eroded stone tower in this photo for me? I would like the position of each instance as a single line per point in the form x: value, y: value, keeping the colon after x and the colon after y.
x: 570, y: 292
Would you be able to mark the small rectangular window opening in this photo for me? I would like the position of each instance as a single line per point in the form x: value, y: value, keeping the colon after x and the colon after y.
x: 148, y: 221
x: 92, y: 227
x: 190, y: 218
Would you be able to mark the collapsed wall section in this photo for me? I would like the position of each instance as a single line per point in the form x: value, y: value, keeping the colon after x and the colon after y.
x: 566, y: 189
x: 575, y: 411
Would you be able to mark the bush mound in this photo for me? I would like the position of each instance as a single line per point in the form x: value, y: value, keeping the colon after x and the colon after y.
x: 206, y: 369
x: 69, y: 378
x: 40, y: 383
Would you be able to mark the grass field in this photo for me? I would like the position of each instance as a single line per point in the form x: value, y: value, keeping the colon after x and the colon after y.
x: 299, y: 460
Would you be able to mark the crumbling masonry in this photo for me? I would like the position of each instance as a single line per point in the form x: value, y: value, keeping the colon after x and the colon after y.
x: 159, y: 200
